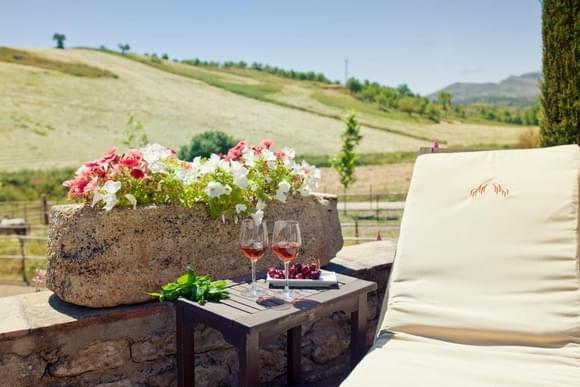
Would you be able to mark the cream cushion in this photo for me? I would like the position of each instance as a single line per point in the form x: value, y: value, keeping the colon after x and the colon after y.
x: 485, y: 288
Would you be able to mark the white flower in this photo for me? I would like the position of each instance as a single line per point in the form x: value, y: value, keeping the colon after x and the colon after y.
x: 258, y: 216
x: 249, y: 157
x: 227, y: 190
x: 282, y: 191
x: 284, y: 186
x: 241, y: 181
x: 240, y: 174
x: 187, y: 176
x: 281, y: 196
x: 132, y: 199
x: 270, y: 157
x: 214, y: 189
x: 155, y: 152
x: 110, y: 201
x: 211, y: 165
x: 268, y: 179
x: 260, y: 205
x: 96, y: 197
x: 305, y: 191
x: 111, y: 187
x: 240, y: 208
x: 289, y: 153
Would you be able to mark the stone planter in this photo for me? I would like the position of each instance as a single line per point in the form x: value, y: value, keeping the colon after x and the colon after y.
x: 101, y: 259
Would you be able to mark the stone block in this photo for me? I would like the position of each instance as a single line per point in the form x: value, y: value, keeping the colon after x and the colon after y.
x: 102, y: 259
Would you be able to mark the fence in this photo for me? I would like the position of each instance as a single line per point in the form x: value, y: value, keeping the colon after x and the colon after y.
x: 31, y: 212
x: 23, y: 252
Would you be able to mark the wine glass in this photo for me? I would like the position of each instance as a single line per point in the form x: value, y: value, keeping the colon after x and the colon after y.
x: 286, y: 241
x: 253, y: 243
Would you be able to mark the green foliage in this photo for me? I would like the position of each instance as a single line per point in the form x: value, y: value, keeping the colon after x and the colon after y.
x: 165, y: 57
x: 25, y: 58
x: 560, y: 88
x: 444, y: 99
x: 408, y: 105
x: 206, y: 143
x: 344, y: 163
x: 200, y: 289
x: 291, y: 74
x: 59, y: 38
x: 364, y: 159
x: 30, y: 185
x: 134, y: 135
x: 124, y: 48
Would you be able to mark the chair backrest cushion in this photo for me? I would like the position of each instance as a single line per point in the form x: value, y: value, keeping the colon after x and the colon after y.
x: 488, y: 250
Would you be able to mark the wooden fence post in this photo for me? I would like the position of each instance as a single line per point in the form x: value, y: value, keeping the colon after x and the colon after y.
x: 44, y: 204
x: 23, y: 260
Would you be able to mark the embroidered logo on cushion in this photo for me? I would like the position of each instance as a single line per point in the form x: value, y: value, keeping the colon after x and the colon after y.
x: 498, y: 189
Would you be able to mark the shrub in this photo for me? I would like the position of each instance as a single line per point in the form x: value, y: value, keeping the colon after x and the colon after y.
x: 528, y: 139
x: 206, y: 143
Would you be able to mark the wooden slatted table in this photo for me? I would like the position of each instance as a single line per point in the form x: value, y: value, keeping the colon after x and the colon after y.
x: 246, y: 323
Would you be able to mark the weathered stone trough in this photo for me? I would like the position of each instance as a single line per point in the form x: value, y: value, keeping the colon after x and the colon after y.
x: 102, y: 259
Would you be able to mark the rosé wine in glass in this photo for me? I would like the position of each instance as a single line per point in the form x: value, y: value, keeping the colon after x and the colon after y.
x: 253, y: 243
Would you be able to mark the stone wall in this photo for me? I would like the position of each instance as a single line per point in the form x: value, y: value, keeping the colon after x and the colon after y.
x: 44, y: 341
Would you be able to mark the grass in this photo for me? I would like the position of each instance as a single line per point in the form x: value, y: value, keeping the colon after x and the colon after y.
x: 364, y: 159
x: 29, y: 185
x: 51, y: 121
x: 26, y: 58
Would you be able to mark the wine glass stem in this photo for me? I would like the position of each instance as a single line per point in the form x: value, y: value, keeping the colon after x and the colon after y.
x: 253, y: 276
x: 287, y: 284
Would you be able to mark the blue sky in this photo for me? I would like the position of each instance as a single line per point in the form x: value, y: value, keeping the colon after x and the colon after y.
x: 427, y: 44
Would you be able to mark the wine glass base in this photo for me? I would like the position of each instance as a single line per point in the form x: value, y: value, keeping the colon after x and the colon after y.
x: 290, y: 295
x: 252, y: 293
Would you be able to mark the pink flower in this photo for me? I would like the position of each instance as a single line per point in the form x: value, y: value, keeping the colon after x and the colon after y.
x: 266, y: 143
x: 137, y: 173
x: 110, y: 156
x: 280, y: 155
x: 235, y: 153
x: 76, y: 187
x: 131, y: 158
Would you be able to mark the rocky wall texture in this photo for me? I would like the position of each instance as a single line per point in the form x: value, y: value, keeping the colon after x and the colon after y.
x: 103, y: 259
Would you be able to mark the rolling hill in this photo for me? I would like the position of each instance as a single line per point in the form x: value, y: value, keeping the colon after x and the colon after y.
x: 521, y: 90
x: 61, y: 107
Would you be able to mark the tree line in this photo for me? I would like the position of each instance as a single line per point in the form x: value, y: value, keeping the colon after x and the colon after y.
x: 402, y: 98
x: 284, y: 73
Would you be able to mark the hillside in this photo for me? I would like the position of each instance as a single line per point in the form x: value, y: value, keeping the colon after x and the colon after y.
x: 52, y: 118
x: 519, y: 90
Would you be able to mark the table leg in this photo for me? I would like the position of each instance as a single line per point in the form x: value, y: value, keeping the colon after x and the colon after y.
x: 358, y: 331
x: 249, y: 355
x: 294, y: 349
x: 185, y: 341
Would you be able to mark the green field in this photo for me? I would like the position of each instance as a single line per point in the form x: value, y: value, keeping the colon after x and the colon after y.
x: 54, y: 115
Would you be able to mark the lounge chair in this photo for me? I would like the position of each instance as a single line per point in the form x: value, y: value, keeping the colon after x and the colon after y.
x: 485, y: 287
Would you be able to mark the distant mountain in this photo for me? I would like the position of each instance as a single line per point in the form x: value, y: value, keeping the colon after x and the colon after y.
x: 521, y: 90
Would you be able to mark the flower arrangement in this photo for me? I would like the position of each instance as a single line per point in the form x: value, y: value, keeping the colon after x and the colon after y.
x: 238, y: 184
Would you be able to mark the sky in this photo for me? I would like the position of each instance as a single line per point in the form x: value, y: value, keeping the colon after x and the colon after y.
x: 426, y: 44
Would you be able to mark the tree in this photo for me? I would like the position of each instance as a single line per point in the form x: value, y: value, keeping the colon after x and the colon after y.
x: 344, y: 162
x: 134, y: 135
x: 560, y: 98
x: 444, y: 99
x: 124, y: 48
x: 353, y: 85
x: 405, y: 91
x: 407, y: 105
x: 59, y: 38
x: 206, y: 143
x: 165, y: 57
